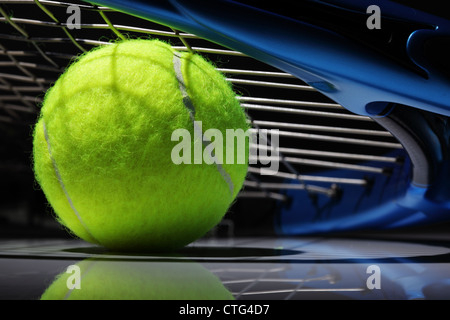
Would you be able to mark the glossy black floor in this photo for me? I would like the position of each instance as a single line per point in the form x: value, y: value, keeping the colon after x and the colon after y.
x: 371, y: 266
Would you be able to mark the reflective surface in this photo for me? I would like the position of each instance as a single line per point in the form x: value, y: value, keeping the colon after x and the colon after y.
x: 242, y: 268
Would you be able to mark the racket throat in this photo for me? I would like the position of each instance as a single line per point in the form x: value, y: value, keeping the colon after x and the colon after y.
x: 419, y: 131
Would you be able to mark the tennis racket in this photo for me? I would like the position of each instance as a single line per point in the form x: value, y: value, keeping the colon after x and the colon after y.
x: 360, y: 114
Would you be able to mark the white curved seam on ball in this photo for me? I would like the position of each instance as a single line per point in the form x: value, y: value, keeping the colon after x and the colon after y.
x: 188, y: 104
x: 58, y: 176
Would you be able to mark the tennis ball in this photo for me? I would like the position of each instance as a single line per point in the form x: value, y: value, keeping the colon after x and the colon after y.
x: 96, y: 279
x: 103, y: 146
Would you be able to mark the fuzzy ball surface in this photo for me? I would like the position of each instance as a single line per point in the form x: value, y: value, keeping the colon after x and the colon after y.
x: 103, y: 146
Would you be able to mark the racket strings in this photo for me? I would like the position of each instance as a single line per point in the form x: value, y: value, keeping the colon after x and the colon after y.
x: 316, y: 136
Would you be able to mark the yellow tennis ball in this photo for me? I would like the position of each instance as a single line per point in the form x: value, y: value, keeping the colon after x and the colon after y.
x: 96, y: 279
x: 107, y: 153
